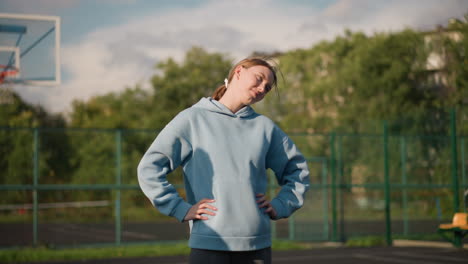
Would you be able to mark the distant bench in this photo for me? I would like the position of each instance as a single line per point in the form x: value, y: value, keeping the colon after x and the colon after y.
x: 459, y: 228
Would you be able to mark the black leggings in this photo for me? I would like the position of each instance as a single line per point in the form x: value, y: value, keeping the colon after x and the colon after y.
x: 203, y: 256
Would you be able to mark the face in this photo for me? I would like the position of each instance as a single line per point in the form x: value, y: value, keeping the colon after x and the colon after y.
x: 254, y: 83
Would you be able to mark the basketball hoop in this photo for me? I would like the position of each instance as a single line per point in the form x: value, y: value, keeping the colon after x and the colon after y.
x: 6, y: 92
x: 7, y: 71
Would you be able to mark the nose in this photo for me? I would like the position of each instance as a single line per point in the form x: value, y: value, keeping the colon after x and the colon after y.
x: 262, y: 88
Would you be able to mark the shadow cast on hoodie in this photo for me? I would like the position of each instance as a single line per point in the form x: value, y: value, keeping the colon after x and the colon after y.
x: 198, y: 186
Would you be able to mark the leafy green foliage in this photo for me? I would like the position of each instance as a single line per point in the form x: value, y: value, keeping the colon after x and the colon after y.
x: 17, y: 147
x: 123, y: 110
x: 182, y: 84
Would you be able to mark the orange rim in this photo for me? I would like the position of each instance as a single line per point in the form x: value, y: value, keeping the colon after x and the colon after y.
x: 7, y: 71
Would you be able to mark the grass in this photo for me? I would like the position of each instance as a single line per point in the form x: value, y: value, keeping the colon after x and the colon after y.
x: 424, y: 237
x: 368, y: 241
x: 375, y: 241
x: 46, y: 254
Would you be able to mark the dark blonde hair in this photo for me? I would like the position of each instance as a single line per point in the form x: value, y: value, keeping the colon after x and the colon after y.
x: 246, y: 63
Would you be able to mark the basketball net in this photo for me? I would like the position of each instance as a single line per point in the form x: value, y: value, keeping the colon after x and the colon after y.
x: 6, y: 86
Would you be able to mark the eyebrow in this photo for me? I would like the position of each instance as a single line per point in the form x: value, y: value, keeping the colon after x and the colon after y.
x: 264, y: 77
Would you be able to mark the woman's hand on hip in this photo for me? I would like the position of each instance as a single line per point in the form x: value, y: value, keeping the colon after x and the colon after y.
x: 198, y: 210
x: 263, y: 202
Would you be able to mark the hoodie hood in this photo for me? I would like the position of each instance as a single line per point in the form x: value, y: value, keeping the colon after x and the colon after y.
x: 213, y: 105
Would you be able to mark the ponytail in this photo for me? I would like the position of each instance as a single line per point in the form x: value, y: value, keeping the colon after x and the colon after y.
x: 219, y: 92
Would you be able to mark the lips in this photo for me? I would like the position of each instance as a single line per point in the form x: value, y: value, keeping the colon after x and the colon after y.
x: 253, y: 93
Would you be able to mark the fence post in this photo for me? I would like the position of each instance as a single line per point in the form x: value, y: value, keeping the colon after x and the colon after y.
x: 326, y: 226
x: 118, y: 182
x: 463, y: 174
x: 453, y: 143
x: 404, y: 182
x: 292, y: 227
x: 35, y: 184
x: 388, y: 223
x: 333, y: 186
x: 463, y: 166
x: 340, y: 182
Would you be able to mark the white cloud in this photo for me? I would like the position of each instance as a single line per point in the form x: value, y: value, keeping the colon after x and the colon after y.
x: 112, y: 58
x: 37, y: 6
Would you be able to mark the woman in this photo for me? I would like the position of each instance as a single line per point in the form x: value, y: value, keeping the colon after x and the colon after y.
x: 225, y: 148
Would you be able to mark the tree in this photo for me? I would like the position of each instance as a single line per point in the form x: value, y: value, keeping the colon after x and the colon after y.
x: 104, y: 119
x: 180, y: 85
x: 17, y: 121
x: 126, y: 109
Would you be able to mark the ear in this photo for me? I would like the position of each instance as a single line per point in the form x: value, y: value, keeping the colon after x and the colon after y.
x: 238, y: 70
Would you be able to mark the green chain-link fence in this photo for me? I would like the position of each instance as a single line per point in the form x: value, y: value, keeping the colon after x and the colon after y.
x: 64, y: 187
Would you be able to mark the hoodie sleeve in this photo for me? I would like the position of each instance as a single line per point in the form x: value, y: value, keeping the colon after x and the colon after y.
x: 292, y: 174
x: 166, y: 153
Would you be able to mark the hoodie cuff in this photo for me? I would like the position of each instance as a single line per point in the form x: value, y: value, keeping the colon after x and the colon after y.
x: 279, y: 208
x: 181, y: 210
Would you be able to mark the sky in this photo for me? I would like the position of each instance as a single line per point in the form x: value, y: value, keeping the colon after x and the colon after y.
x: 108, y: 45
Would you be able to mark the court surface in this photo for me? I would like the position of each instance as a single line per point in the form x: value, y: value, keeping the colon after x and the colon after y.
x: 341, y: 255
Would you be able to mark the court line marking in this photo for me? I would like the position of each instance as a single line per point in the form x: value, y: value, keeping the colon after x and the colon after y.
x: 308, y: 257
x: 430, y: 256
x: 80, y: 204
x: 389, y: 259
x: 90, y: 232
x: 137, y: 235
x: 72, y: 230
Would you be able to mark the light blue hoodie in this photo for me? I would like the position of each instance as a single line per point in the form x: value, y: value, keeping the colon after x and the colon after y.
x: 224, y: 157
